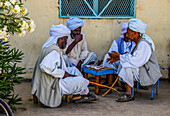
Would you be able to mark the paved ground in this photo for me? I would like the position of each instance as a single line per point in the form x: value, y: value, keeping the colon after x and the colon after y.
x: 105, y: 106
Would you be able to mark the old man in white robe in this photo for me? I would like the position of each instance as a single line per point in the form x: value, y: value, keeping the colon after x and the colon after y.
x: 77, y: 47
x: 120, y: 45
x: 141, y: 64
x: 52, y: 78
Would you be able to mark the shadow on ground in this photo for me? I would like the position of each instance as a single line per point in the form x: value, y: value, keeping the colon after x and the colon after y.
x: 105, y: 106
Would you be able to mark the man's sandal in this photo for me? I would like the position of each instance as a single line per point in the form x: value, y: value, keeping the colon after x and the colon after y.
x: 93, y: 96
x: 84, y: 98
x: 125, y: 98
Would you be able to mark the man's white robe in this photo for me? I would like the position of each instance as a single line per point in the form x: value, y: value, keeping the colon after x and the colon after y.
x: 114, y: 47
x: 80, y: 52
x: 70, y: 85
x: 131, y: 63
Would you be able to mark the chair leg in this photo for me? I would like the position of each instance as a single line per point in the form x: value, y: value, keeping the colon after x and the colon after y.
x: 97, y: 87
x: 86, y: 75
x: 137, y: 87
x: 157, y: 89
x: 133, y: 91
x: 152, y: 92
x: 110, y: 80
x: 68, y: 98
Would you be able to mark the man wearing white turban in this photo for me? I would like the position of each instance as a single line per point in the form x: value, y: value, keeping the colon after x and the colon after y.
x: 141, y: 64
x: 77, y: 47
x: 120, y: 45
x: 52, y: 78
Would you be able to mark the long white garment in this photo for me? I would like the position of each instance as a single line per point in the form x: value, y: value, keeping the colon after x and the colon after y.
x: 114, y: 47
x: 51, y: 63
x: 131, y: 63
x: 70, y: 85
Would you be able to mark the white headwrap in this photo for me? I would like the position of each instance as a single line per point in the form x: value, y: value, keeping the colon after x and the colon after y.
x: 138, y: 26
x: 74, y: 23
x: 56, y: 31
x: 124, y: 29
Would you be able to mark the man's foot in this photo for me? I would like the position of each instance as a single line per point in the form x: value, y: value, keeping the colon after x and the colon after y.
x: 85, y: 98
x: 125, y: 98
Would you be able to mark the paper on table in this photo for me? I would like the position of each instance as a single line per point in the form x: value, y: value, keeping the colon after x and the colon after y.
x: 95, y: 66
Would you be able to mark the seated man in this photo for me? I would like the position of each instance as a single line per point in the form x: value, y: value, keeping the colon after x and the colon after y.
x: 141, y: 64
x: 121, y: 45
x: 51, y: 78
x: 77, y: 49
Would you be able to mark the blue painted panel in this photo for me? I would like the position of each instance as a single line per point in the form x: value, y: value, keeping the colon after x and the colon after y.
x: 98, y: 73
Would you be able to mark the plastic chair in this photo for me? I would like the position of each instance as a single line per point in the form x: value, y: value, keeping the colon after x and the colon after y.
x: 157, y: 88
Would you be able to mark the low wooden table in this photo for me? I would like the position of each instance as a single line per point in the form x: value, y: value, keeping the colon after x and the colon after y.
x: 104, y: 71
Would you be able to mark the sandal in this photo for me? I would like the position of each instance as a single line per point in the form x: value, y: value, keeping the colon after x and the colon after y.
x: 92, y: 96
x: 125, y: 98
x: 85, y: 98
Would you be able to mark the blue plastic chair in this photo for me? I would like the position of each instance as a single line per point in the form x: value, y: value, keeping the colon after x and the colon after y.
x: 157, y: 88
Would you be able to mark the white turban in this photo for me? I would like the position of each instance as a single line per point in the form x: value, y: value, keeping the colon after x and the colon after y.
x: 138, y: 26
x: 74, y: 23
x: 56, y: 31
x: 124, y: 29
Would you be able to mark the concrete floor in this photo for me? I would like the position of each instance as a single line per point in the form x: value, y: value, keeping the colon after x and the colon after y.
x: 105, y: 106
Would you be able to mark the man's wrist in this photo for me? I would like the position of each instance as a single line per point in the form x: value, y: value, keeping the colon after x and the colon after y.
x: 75, y: 41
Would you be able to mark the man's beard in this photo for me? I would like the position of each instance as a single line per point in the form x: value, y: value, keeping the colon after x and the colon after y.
x: 63, y: 46
x: 127, y: 39
x: 73, y: 35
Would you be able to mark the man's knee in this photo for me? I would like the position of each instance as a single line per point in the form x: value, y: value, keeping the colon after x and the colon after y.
x: 81, y: 80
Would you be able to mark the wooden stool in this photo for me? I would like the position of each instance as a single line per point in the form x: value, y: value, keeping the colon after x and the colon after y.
x: 68, y: 97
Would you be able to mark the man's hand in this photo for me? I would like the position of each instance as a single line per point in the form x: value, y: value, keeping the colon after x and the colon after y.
x: 79, y: 65
x: 114, y: 55
x: 111, y: 60
x: 78, y: 38
x: 68, y: 75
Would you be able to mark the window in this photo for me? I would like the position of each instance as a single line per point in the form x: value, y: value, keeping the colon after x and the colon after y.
x: 97, y: 8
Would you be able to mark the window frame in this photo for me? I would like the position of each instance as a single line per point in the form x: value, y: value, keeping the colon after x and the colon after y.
x: 95, y: 12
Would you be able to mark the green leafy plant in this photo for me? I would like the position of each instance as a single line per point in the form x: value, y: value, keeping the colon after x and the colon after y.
x: 13, y: 19
x: 10, y: 73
